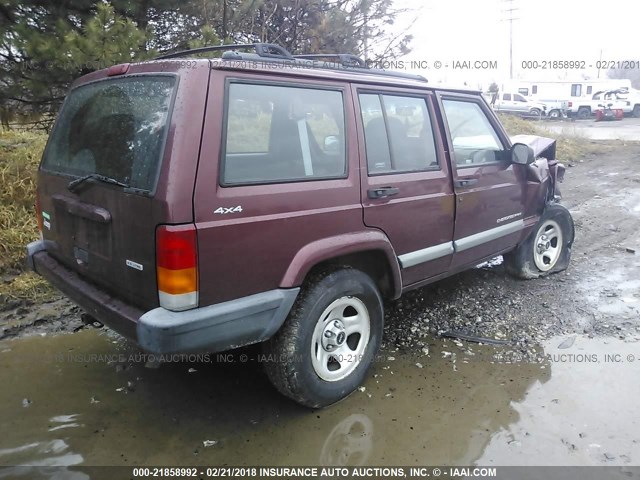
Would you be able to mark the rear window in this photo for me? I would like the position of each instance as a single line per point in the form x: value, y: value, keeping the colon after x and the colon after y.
x: 116, y: 128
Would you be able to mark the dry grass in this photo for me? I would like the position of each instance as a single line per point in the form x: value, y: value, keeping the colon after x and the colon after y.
x: 28, y: 287
x: 569, y: 147
x: 20, y: 154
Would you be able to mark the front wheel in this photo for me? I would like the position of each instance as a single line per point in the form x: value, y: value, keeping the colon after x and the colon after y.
x: 323, y: 351
x: 535, y: 112
x: 554, y: 114
x: 547, y: 249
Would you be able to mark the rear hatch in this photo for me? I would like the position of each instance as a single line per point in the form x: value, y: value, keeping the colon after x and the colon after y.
x: 98, y: 179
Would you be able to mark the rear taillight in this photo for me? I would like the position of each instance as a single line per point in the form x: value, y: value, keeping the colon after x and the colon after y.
x: 177, y: 266
x: 570, y: 104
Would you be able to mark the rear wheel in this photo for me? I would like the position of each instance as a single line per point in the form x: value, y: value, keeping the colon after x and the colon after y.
x: 554, y: 113
x: 547, y: 249
x: 327, y: 344
x: 584, y: 113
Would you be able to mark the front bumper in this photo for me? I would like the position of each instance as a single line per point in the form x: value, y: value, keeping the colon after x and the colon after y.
x: 211, y: 329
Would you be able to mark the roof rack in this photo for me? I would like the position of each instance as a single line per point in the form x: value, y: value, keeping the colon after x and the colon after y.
x: 268, y: 52
x: 347, y: 59
x: 265, y: 50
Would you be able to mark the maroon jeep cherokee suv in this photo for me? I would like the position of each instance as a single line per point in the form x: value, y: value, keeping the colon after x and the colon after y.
x: 205, y: 204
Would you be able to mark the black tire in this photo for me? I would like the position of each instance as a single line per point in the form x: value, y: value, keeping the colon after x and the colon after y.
x: 290, y: 366
x: 555, y: 114
x: 535, y: 112
x: 584, y: 113
x: 636, y: 111
x: 521, y: 262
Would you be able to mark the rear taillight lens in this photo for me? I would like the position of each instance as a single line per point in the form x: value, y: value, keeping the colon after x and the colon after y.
x: 570, y: 104
x: 177, y: 266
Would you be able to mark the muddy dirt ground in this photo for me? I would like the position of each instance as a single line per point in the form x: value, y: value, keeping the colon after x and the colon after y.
x: 556, y: 386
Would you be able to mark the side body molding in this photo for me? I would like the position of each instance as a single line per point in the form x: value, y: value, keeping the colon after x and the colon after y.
x: 487, y: 235
x: 339, y: 245
x: 437, y: 251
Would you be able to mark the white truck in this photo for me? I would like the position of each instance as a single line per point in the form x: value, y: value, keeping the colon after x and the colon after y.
x: 631, y: 101
x: 580, y: 98
x: 584, y: 108
x: 516, y: 104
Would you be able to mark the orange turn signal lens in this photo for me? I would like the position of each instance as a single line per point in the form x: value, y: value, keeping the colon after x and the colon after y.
x: 177, y: 282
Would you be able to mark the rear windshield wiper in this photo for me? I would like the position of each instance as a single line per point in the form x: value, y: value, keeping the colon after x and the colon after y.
x: 75, y: 184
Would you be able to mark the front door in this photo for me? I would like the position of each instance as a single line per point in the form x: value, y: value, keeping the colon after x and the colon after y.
x: 406, y: 184
x: 488, y: 188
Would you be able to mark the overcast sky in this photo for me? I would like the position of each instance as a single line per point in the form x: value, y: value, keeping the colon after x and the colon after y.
x: 450, y: 30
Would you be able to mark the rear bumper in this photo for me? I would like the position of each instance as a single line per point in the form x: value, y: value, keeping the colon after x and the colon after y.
x: 213, y: 328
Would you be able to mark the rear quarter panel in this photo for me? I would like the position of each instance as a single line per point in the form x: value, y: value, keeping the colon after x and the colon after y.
x: 249, y: 252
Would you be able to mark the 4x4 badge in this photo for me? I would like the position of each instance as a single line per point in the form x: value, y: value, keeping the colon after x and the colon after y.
x: 224, y: 210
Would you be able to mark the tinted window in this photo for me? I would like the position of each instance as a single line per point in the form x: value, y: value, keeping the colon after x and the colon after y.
x: 534, y: 89
x: 523, y: 91
x: 114, y: 128
x: 276, y: 134
x: 507, y: 96
x: 474, y: 139
x: 398, y: 134
x: 519, y: 98
x: 589, y: 90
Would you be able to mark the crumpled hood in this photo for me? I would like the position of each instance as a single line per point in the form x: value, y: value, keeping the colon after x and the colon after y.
x: 542, y: 146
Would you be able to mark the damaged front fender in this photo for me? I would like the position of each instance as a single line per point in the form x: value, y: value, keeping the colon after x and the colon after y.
x: 545, y: 172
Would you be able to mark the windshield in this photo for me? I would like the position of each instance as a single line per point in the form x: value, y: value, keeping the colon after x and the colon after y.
x: 114, y: 128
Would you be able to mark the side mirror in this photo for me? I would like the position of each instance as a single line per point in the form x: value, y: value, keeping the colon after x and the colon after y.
x: 522, y: 154
x: 331, y: 144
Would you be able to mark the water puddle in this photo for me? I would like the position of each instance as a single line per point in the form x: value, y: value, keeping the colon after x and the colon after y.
x: 613, y: 291
x: 86, y: 399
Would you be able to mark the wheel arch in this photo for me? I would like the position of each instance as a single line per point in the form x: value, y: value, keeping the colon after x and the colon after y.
x: 370, y: 252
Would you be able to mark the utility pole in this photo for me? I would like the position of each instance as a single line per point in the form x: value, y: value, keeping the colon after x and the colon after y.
x: 599, y: 63
x: 510, y: 18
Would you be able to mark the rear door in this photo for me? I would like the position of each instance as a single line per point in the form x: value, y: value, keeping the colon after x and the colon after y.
x: 115, y: 128
x: 405, y: 182
x: 508, y: 105
x: 489, y: 190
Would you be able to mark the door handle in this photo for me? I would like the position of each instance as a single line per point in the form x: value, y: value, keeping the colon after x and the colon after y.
x: 469, y: 182
x: 382, y: 192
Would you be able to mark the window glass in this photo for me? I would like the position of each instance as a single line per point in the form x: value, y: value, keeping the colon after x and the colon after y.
x: 589, y: 90
x: 375, y: 134
x: 523, y: 91
x: 398, y: 134
x: 519, y: 98
x: 276, y: 134
x: 507, y: 96
x: 475, y: 141
x: 114, y: 128
x: 534, y: 89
